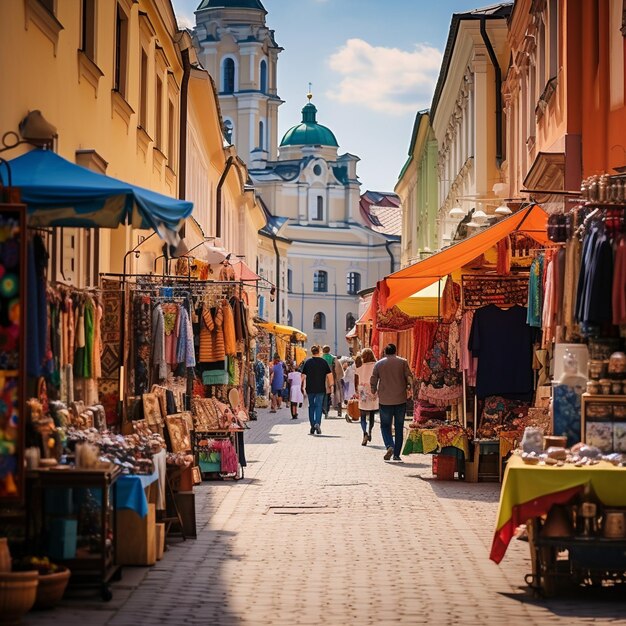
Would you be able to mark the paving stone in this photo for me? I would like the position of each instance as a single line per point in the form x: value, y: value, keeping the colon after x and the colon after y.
x: 389, y: 546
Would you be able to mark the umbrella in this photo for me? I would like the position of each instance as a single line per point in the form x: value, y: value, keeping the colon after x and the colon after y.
x: 58, y: 192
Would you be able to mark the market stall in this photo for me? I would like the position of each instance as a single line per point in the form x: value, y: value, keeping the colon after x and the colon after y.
x: 97, y: 474
x: 567, y: 495
x: 473, y: 359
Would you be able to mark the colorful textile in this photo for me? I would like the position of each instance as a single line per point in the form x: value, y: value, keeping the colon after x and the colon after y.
x: 441, y: 384
x: 535, y: 293
x: 431, y: 440
x: 531, y: 490
x: 423, y: 335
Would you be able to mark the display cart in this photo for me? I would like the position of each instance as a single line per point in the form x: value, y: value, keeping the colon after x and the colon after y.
x: 529, y: 492
x: 71, y: 519
x: 214, y: 467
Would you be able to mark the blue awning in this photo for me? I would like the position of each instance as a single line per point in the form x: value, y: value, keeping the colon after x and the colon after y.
x: 58, y: 192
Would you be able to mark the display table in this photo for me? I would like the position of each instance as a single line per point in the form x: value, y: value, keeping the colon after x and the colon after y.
x: 433, y: 440
x: 70, y: 519
x: 131, y: 492
x: 528, y: 491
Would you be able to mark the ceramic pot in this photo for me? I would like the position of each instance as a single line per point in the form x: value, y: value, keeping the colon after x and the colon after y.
x: 614, y: 525
x: 5, y: 555
x: 51, y: 588
x: 617, y: 363
x: 18, y: 591
x: 558, y: 523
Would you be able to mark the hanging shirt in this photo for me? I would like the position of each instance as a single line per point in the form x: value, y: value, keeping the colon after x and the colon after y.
x: 212, y: 335
x: 171, y: 321
x: 158, y: 342
x: 185, y: 351
x: 503, y: 344
x: 535, y: 292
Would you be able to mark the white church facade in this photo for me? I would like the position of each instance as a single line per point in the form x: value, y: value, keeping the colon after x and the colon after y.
x: 317, y: 249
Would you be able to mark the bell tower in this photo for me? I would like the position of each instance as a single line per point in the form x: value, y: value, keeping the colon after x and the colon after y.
x: 239, y: 51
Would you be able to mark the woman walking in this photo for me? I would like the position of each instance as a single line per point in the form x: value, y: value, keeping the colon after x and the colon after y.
x: 368, y: 401
x: 294, y: 381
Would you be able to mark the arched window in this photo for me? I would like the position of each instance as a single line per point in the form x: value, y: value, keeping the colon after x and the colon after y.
x: 289, y: 318
x: 353, y: 283
x: 319, y: 209
x: 228, y: 131
x: 228, y: 75
x: 261, y: 136
x: 320, y: 281
x: 263, y: 77
x: 350, y: 321
x: 319, y: 321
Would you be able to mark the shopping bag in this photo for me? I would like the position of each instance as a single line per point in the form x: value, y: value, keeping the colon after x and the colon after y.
x: 353, y: 409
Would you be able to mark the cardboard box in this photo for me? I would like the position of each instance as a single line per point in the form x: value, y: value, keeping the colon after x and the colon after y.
x: 160, y: 541
x: 136, y: 537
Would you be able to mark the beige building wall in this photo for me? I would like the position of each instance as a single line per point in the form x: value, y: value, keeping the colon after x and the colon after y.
x: 463, y: 120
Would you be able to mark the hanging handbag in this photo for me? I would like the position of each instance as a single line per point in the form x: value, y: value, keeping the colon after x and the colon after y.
x: 353, y: 409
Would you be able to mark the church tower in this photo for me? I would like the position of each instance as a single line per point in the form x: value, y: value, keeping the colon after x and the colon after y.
x: 239, y: 51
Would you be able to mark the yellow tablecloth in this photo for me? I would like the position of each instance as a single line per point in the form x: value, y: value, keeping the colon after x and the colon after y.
x: 530, y: 490
x: 428, y: 440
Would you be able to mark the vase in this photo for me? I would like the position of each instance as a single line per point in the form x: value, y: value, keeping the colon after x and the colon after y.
x: 51, y: 588
x: 5, y: 555
x: 17, y: 595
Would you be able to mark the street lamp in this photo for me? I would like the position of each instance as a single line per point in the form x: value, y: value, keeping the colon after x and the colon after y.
x: 503, y: 210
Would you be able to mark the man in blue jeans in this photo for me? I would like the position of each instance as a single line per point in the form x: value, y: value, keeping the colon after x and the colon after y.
x: 391, y: 380
x: 316, y: 380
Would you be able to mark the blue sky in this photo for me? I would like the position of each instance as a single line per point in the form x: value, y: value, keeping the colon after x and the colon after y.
x: 373, y: 64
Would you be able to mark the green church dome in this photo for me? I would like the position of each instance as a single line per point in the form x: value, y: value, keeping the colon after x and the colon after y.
x: 309, y: 132
x: 231, y: 4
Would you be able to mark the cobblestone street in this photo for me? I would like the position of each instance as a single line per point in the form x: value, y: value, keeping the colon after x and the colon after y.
x: 323, y: 531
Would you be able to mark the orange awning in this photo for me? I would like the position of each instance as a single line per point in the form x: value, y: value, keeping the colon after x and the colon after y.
x: 404, y: 283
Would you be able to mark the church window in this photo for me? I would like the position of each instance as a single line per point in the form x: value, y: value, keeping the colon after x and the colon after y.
x: 320, y: 281
x: 353, y: 283
x: 261, y: 136
x: 263, y: 77
x: 317, y: 169
x: 289, y: 281
x: 319, y: 209
x: 350, y: 321
x: 319, y: 321
x: 289, y: 318
x: 228, y: 76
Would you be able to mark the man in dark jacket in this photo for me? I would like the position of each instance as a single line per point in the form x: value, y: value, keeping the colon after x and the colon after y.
x: 317, y: 380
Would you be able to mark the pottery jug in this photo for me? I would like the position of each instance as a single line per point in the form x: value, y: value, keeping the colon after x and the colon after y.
x: 5, y: 555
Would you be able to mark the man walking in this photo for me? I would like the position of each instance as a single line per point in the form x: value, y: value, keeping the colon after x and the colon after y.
x: 317, y: 380
x: 330, y: 360
x: 391, y: 380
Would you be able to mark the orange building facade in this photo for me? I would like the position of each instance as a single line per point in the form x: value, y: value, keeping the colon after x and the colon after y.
x: 564, y: 94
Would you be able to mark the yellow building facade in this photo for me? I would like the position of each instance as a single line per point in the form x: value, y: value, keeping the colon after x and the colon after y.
x: 111, y: 75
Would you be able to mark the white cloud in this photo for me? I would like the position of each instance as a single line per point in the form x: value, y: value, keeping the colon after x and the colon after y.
x: 385, y: 79
x: 185, y: 21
